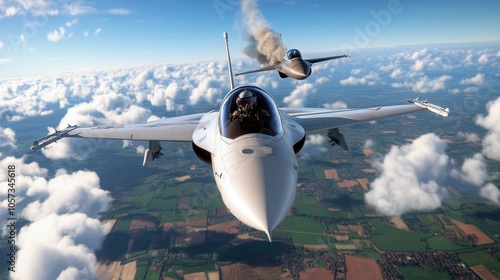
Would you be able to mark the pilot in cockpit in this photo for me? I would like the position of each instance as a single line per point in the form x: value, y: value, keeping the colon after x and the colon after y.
x: 248, y: 107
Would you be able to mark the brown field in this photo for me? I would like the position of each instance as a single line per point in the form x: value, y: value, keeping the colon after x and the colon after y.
x: 316, y: 247
x: 213, y: 275
x: 469, y: 229
x: 184, y: 203
x: 142, y: 222
x: 192, y: 236
x: 362, y: 268
x: 192, y: 223
x: 216, y: 232
x: 399, y: 223
x: 343, y: 229
x: 183, y: 178
x: 242, y: 238
x: 483, y: 272
x: 356, y: 228
x: 195, y: 276
x: 116, y: 271
x: 364, y: 183
x: 341, y: 237
x: 109, y: 223
x: 316, y: 273
x: 332, y: 174
x: 369, y: 170
x: 368, y: 152
x: 347, y: 183
x: 255, y: 269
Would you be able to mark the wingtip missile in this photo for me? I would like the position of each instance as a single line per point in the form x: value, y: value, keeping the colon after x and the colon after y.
x: 49, y: 139
x: 444, y: 112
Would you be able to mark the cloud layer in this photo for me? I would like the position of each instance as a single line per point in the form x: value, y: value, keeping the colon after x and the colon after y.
x: 63, y: 229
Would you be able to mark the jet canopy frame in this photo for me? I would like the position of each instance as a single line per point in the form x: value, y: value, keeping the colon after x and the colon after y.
x: 264, y: 118
x: 293, y: 53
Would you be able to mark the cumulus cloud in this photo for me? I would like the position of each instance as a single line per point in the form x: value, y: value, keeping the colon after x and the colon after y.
x: 56, y: 35
x: 335, y: 105
x: 477, y: 80
x: 297, y: 97
x: 369, y: 79
x: 491, y: 122
x: 474, y: 174
x: 7, y: 137
x: 425, y: 84
x: 412, y: 177
x: 63, y: 229
x: 368, y: 144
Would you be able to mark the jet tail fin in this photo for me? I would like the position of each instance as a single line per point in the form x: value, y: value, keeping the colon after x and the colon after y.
x: 229, y: 66
x: 282, y: 46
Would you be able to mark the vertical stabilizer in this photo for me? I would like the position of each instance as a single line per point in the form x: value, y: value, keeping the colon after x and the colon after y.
x: 282, y: 46
x: 229, y: 66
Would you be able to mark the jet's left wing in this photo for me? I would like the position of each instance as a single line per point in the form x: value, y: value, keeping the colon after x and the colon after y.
x: 319, y: 59
x: 169, y: 129
x: 315, y: 119
x: 265, y: 68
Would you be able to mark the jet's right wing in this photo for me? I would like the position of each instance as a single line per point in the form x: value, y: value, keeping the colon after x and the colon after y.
x: 265, y: 68
x: 316, y: 119
x: 319, y: 59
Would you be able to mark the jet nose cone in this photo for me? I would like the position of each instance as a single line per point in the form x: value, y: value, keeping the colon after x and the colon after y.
x: 262, y: 191
x: 301, y: 70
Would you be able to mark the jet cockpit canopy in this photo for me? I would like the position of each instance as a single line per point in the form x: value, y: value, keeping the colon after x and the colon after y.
x: 293, y: 53
x: 249, y: 109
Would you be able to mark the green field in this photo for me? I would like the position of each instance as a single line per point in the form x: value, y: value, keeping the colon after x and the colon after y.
x: 412, y: 272
x: 301, y: 224
x: 442, y: 243
x: 388, y: 238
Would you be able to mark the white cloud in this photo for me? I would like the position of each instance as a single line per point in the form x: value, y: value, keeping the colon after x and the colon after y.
x: 396, y: 73
x: 483, y: 59
x: 71, y: 23
x: 469, y: 137
x: 298, y: 96
x: 119, y: 12
x: 490, y: 192
x: 477, y: 80
x: 7, y: 137
x: 56, y: 35
x: 425, y: 84
x: 411, y: 177
x: 368, y: 144
x: 369, y: 79
x: 491, y: 122
x: 63, y: 229
x: 335, y: 105
x: 418, y: 66
x: 97, y: 31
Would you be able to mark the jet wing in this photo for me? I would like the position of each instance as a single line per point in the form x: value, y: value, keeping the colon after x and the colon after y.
x: 169, y: 129
x: 265, y: 68
x: 314, y: 60
x: 315, y: 119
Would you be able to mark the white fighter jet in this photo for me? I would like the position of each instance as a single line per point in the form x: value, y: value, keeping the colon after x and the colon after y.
x: 250, y: 143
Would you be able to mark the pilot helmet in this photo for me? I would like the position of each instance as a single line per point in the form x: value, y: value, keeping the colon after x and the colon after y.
x: 246, y: 99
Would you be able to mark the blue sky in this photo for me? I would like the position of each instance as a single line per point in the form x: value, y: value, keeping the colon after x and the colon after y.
x: 49, y: 36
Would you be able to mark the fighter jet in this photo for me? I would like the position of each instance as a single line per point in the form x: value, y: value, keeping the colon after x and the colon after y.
x: 251, y: 144
x: 293, y: 65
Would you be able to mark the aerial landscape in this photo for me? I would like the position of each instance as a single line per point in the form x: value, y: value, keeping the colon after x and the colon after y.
x: 415, y: 197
